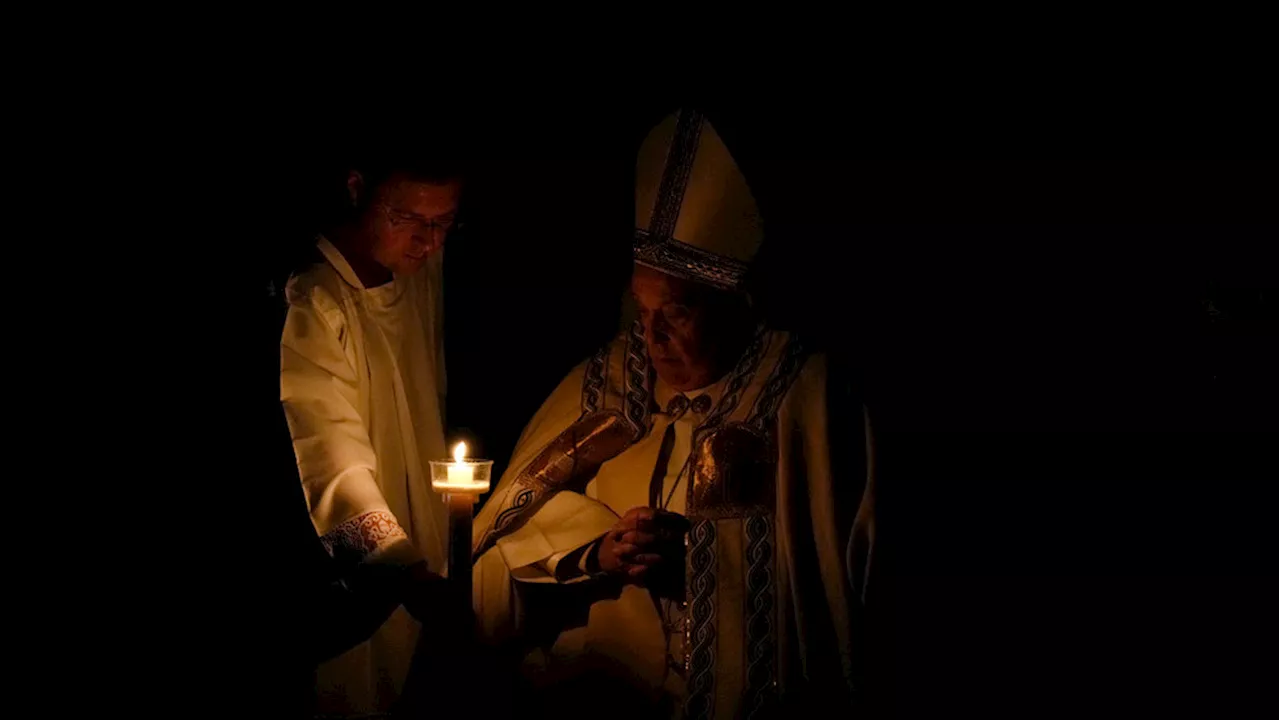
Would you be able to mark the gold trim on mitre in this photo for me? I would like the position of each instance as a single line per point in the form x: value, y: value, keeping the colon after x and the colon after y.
x: 695, y: 215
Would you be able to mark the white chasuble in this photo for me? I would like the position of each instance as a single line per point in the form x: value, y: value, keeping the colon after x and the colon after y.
x: 777, y: 557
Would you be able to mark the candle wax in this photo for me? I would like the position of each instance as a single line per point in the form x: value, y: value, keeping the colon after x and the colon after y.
x: 460, y: 473
x: 460, y: 477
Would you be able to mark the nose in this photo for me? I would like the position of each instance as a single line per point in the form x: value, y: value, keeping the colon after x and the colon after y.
x: 655, y: 331
x: 436, y: 235
x: 430, y: 240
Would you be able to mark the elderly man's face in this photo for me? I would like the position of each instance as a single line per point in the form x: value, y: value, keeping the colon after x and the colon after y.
x: 691, y: 330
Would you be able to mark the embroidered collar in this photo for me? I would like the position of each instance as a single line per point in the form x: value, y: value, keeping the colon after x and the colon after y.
x: 699, y: 401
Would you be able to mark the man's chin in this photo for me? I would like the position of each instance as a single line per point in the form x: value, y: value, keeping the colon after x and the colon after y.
x: 675, y: 376
x: 413, y: 264
x: 410, y: 266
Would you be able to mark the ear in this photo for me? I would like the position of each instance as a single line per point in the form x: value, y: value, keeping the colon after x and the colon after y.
x: 355, y: 187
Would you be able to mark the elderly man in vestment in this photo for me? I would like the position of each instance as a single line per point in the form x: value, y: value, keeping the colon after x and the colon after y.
x: 362, y: 384
x: 686, y: 525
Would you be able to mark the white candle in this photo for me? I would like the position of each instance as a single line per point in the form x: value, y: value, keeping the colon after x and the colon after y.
x: 460, y: 475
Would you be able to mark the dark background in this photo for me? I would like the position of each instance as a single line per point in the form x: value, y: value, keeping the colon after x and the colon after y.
x: 1056, y: 286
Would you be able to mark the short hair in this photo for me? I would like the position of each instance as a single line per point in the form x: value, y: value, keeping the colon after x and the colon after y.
x: 425, y: 150
x: 428, y: 159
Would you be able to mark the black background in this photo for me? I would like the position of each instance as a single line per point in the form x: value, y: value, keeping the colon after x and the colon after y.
x: 1055, y: 281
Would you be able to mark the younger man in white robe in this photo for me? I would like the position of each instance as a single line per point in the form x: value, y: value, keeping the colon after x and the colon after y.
x: 362, y: 383
x: 685, y: 528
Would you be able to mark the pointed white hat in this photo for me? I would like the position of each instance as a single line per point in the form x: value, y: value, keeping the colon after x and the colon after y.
x: 695, y: 216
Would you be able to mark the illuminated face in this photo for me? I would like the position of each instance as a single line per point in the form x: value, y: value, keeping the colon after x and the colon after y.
x: 689, y: 328
x: 408, y: 220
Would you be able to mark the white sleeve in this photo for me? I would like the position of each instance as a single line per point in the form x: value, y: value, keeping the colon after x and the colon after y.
x: 568, y: 521
x: 336, y: 460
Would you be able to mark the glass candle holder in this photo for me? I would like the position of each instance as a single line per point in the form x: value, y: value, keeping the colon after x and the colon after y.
x: 460, y: 481
x: 465, y: 476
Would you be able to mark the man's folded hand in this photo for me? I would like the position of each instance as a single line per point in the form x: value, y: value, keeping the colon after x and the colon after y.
x: 645, y: 547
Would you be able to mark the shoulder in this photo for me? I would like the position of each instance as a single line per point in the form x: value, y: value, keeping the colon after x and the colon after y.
x: 810, y: 376
x: 826, y: 389
x: 589, y: 382
x: 610, y: 358
x: 595, y: 369
x: 788, y: 362
x: 619, y: 345
x: 811, y: 379
x: 315, y: 279
x: 314, y: 292
x: 560, y: 408
x: 813, y: 371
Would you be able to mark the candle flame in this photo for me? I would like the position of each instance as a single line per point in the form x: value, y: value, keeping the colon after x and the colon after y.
x: 460, y: 452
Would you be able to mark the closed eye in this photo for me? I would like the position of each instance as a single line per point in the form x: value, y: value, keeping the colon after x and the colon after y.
x: 676, y: 312
x: 399, y: 218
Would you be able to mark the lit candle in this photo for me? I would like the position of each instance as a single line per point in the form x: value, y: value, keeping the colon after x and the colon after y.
x: 461, y: 482
x: 460, y: 475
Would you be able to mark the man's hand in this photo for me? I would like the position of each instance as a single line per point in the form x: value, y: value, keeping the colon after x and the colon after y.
x: 426, y: 593
x: 644, y: 541
x: 349, y: 611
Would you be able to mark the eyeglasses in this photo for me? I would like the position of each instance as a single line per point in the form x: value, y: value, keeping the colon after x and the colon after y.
x: 445, y: 224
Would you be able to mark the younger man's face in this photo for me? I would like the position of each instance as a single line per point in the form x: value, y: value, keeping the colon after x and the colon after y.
x: 408, y: 220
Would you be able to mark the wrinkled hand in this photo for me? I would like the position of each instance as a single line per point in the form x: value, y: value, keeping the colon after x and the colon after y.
x: 644, y: 541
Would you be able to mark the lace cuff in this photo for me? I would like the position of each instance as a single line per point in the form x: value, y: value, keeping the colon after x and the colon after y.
x: 364, y: 536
